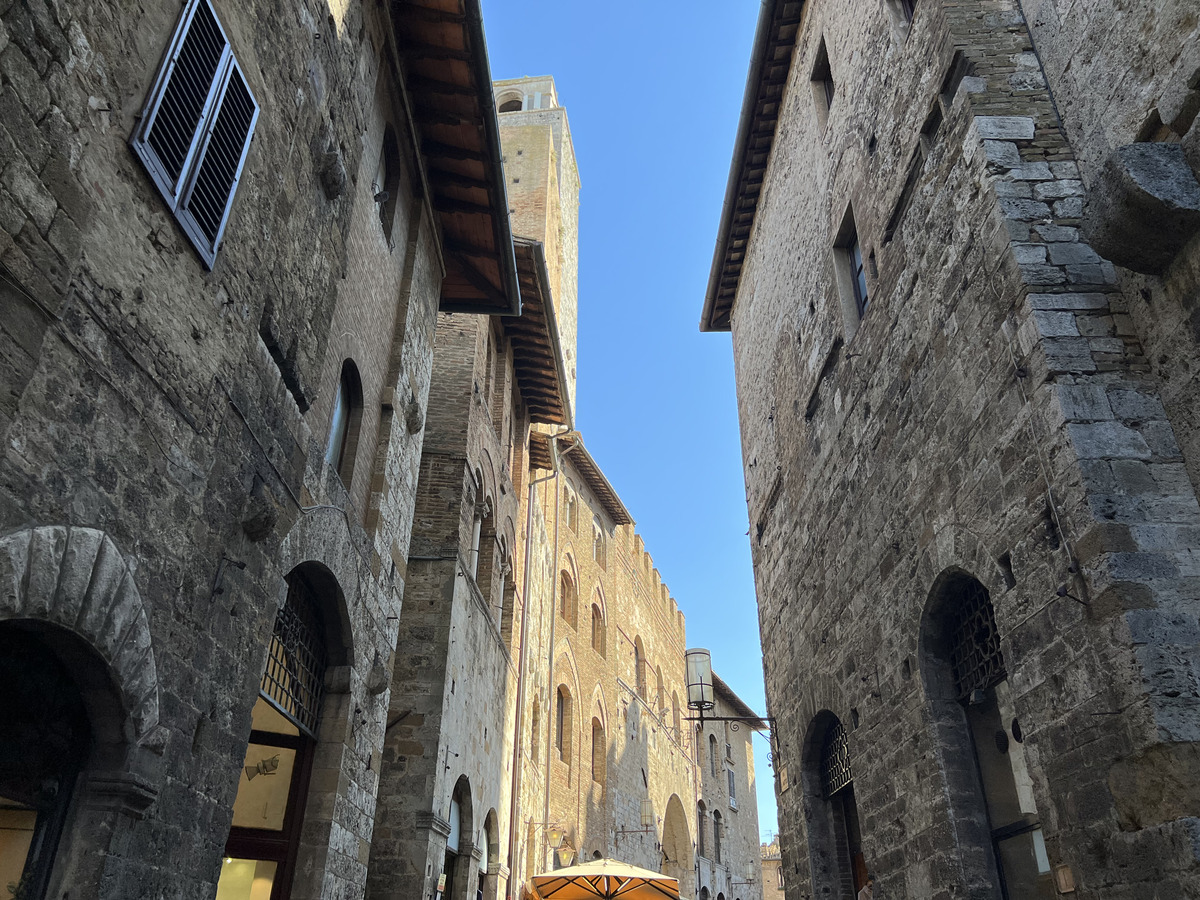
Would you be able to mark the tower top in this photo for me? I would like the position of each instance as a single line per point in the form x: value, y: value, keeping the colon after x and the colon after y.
x: 530, y: 92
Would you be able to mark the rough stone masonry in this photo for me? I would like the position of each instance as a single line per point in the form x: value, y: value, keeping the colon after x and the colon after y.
x: 960, y: 266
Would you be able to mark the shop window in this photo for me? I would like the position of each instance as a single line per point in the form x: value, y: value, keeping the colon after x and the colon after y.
x: 261, y: 852
x: 195, y: 129
x: 45, y: 737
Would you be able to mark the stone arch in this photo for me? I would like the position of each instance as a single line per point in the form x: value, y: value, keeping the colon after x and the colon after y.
x: 458, y: 863
x: 832, y: 816
x: 77, y: 579
x: 962, y: 801
x: 75, y: 591
x: 510, y: 101
x: 335, y: 561
x: 489, y: 858
x: 678, y: 861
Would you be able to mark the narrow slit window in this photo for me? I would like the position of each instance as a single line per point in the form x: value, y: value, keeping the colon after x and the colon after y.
x: 196, y: 128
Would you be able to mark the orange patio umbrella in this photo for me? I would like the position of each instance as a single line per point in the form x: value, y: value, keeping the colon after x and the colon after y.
x: 606, y: 879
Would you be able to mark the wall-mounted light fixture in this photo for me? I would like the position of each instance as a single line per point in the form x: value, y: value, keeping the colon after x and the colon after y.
x: 700, y: 697
x: 646, y: 818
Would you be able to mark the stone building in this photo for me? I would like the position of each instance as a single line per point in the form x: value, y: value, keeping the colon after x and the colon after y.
x: 959, y: 263
x: 226, y: 231
x: 286, y: 392
x: 772, y: 871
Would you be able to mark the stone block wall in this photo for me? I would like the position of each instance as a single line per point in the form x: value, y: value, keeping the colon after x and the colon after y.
x: 184, y: 412
x: 962, y: 425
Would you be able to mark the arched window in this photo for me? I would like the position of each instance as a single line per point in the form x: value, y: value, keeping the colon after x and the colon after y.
x: 273, y: 784
x: 387, y: 182
x: 598, y: 636
x: 342, y: 445
x: 568, y: 600
x: 489, y: 860
x: 835, y: 838
x: 45, y: 737
x: 639, y: 666
x: 732, y: 786
x: 562, y: 724
x: 570, y: 508
x: 717, y: 835
x: 714, y: 756
x: 660, y: 694
x: 535, y: 729
x: 973, y: 705
x: 456, y: 864
x: 598, y: 549
x: 701, y: 815
x: 509, y: 101
x: 599, y: 752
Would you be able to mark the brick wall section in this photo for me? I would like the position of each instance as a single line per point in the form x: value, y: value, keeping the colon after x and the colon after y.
x: 963, y: 424
x: 141, y: 400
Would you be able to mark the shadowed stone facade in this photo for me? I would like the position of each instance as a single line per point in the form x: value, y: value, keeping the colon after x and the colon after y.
x: 969, y: 441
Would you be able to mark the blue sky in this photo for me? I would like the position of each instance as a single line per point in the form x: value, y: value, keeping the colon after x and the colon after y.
x: 653, y: 91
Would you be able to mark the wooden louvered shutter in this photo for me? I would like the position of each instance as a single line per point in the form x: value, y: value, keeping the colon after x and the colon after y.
x: 196, y: 128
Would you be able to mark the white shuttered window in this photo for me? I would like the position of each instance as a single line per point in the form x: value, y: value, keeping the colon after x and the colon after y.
x: 196, y: 128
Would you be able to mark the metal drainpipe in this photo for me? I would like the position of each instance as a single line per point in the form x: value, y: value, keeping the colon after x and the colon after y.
x: 514, y: 802
x: 553, y: 622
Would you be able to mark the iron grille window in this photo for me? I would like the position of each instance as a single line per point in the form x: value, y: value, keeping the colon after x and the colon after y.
x: 835, y: 761
x: 295, y: 675
x: 975, y: 656
x: 196, y: 128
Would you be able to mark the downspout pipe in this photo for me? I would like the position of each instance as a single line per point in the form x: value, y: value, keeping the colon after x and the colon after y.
x: 518, y: 742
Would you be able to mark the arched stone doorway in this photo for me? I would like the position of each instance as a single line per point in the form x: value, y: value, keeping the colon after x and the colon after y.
x: 677, y: 847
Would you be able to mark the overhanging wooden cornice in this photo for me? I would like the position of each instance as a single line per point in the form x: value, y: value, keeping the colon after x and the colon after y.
x: 770, y: 65
x: 537, y: 354
x: 449, y: 82
x: 571, y: 449
x: 739, y: 706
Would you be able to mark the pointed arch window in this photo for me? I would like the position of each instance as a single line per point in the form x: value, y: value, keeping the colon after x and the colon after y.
x: 598, y: 635
x: 599, y: 752
x: 562, y: 724
x: 717, y: 826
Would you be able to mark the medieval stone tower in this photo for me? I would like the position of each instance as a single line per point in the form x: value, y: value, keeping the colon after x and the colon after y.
x: 543, y: 192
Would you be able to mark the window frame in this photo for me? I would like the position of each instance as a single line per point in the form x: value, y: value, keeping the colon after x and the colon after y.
x: 177, y: 192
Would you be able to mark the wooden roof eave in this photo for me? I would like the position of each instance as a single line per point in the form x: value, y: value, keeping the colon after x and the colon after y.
x: 753, y: 720
x: 774, y: 40
x: 541, y: 367
x: 469, y: 78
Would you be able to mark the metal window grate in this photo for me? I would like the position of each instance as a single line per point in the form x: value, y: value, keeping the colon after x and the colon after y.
x: 295, y: 675
x: 835, y: 761
x: 975, y: 655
